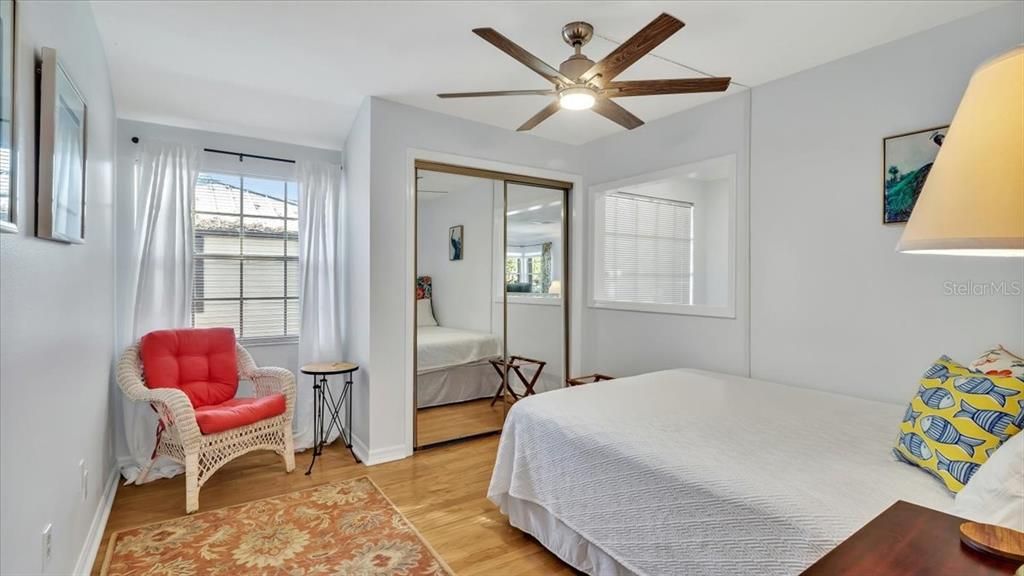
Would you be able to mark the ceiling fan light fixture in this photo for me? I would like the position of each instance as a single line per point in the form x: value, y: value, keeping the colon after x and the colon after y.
x: 577, y: 98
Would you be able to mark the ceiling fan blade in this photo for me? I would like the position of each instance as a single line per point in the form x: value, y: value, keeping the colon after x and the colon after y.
x: 519, y: 53
x: 632, y: 50
x: 539, y: 117
x: 655, y: 87
x: 616, y: 113
x: 498, y: 93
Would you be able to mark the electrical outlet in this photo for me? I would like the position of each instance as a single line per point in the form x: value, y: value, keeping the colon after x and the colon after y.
x: 84, y: 474
x: 47, y: 546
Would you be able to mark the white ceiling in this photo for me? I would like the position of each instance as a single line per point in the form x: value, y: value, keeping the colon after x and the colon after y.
x: 297, y: 71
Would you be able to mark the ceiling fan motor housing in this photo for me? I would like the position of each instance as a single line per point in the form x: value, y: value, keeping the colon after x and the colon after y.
x: 576, y: 34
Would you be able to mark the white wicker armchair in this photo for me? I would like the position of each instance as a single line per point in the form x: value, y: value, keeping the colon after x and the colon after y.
x: 179, y: 437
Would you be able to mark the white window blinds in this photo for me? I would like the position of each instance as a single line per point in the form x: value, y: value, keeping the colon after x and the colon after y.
x: 246, y: 255
x: 644, y: 250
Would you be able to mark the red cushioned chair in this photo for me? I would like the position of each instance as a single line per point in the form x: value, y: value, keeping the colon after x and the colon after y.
x: 190, y: 377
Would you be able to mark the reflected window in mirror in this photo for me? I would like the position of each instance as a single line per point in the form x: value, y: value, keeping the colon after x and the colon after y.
x: 533, y: 251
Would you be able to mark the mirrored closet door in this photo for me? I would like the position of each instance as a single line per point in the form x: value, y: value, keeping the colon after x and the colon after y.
x: 490, y: 316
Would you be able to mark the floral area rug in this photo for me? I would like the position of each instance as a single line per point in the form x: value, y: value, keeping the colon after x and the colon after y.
x: 344, y: 528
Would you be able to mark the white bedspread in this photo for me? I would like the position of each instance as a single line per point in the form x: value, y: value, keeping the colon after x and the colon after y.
x: 438, y: 347
x: 690, y: 472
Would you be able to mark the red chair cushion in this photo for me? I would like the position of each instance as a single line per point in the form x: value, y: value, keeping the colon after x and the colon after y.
x: 238, y: 412
x: 199, y: 362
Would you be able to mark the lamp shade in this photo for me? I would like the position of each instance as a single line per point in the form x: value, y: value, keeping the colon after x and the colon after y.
x: 973, y: 200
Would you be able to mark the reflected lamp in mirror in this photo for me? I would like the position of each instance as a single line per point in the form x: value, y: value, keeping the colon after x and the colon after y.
x: 555, y: 289
x: 973, y: 201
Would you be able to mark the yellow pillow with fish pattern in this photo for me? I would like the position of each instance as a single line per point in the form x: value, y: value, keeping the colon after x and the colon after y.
x: 957, y: 419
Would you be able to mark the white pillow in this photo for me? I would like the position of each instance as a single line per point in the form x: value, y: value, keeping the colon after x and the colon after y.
x: 425, y: 313
x: 995, y: 494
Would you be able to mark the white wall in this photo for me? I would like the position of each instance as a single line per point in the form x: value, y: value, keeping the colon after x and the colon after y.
x: 56, y: 318
x: 834, y: 307
x: 623, y: 343
x: 396, y: 129
x: 462, y: 289
x: 357, y: 273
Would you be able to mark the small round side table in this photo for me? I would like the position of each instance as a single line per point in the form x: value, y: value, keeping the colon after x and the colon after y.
x: 323, y: 399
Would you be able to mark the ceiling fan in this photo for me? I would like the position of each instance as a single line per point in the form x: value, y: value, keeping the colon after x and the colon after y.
x: 582, y: 84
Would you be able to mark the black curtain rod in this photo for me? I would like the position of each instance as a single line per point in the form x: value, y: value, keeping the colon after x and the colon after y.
x: 241, y: 155
x: 135, y: 140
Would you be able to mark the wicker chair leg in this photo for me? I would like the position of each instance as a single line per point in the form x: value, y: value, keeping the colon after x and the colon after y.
x: 191, y: 483
x: 289, y: 450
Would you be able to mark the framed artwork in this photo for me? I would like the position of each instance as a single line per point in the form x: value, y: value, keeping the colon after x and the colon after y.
x: 8, y: 159
x: 60, y: 193
x: 455, y: 242
x: 906, y: 161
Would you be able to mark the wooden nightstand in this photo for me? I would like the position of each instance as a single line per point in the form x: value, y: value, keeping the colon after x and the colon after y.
x: 908, y: 539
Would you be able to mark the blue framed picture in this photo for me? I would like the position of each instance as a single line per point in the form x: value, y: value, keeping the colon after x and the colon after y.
x: 455, y: 242
x: 907, y: 159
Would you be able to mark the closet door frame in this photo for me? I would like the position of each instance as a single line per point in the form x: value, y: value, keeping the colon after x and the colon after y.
x: 506, y: 178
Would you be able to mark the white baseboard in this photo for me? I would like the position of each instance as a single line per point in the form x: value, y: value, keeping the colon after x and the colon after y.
x: 87, y: 557
x: 380, y: 455
x: 360, y: 448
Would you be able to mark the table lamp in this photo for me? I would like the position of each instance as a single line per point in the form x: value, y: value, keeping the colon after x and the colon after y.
x: 972, y: 203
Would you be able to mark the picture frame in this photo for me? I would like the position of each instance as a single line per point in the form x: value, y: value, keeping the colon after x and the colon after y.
x: 455, y: 243
x: 8, y: 153
x: 906, y: 160
x: 63, y: 135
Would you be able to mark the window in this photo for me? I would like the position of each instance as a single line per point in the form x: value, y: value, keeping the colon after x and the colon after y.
x: 644, y: 250
x: 246, y: 247
x: 524, y: 268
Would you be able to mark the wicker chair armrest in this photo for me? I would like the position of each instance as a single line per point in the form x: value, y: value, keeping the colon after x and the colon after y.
x: 172, y: 404
x: 270, y: 380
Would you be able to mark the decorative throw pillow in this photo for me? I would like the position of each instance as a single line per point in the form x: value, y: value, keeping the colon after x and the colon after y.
x: 999, y: 362
x: 957, y: 419
x: 424, y: 289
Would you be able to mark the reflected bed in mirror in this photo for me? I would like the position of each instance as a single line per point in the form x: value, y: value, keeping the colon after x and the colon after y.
x: 666, y: 242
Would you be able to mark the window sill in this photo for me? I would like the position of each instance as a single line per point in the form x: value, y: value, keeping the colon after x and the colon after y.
x: 270, y: 341
x: 676, y: 309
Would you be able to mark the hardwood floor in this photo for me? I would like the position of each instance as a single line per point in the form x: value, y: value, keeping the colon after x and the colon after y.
x: 441, y: 423
x: 442, y: 491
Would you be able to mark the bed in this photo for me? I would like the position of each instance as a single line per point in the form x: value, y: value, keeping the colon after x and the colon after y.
x: 691, y: 472
x: 452, y: 365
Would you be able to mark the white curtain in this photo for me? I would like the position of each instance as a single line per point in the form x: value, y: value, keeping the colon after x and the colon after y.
x: 164, y: 178
x: 320, y: 268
